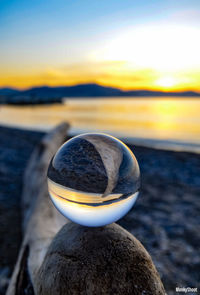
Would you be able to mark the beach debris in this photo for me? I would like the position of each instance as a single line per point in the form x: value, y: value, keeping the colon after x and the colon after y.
x: 40, y: 220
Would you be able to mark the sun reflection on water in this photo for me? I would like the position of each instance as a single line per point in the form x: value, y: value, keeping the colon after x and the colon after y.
x: 155, y: 118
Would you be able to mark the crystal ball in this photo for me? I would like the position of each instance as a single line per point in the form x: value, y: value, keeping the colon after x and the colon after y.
x: 93, y: 179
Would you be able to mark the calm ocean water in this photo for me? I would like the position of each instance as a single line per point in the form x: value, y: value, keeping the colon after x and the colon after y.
x: 160, y: 122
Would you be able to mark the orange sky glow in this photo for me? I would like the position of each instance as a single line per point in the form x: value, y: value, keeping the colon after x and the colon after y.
x: 153, y: 54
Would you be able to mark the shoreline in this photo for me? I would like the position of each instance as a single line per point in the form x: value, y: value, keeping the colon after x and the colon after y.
x: 165, y: 217
x: 166, y: 145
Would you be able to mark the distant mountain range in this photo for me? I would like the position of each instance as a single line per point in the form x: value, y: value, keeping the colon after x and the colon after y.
x: 48, y: 94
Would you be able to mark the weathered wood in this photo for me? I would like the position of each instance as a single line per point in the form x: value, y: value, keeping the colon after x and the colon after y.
x: 41, y: 221
x: 71, y: 259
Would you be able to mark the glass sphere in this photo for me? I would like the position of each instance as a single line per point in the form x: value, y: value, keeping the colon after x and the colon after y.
x: 93, y: 179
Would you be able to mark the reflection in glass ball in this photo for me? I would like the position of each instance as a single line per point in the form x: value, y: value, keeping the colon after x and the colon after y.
x: 93, y: 179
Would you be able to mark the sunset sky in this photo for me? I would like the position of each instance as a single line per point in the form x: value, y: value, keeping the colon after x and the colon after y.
x: 125, y: 44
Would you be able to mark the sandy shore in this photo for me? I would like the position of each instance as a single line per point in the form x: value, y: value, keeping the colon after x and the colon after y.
x: 165, y: 217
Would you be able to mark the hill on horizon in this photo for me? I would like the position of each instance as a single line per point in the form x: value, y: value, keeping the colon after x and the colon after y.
x: 48, y: 94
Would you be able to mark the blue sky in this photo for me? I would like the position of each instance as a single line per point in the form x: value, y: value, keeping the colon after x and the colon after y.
x: 38, y: 35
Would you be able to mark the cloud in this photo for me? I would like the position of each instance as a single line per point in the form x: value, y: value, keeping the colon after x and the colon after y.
x: 186, y: 16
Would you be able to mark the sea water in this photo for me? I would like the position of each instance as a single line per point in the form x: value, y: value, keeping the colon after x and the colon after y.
x: 170, y: 123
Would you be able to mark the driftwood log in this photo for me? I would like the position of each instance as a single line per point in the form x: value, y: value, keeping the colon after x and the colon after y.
x: 41, y: 221
x: 58, y: 257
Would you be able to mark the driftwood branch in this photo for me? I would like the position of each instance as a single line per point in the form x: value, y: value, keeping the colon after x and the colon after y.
x: 41, y: 221
x: 58, y: 257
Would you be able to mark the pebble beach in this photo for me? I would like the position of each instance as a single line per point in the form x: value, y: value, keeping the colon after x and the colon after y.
x: 165, y: 217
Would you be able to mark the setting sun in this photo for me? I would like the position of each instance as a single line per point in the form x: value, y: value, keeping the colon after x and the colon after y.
x: 166, y: 82
x: 140, y: 53
x: 153, y: 52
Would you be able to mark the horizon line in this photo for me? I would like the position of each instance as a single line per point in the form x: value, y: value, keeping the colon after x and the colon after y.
x: 21, y: 89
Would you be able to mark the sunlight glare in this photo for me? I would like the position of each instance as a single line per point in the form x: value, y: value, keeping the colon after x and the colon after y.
x: 166, y: 82
x: 159, y: 47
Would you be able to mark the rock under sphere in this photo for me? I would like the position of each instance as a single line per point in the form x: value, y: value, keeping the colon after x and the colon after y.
x: 104, y: 260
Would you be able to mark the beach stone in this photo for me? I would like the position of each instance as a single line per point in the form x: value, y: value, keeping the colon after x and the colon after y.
x: 103, y: 260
